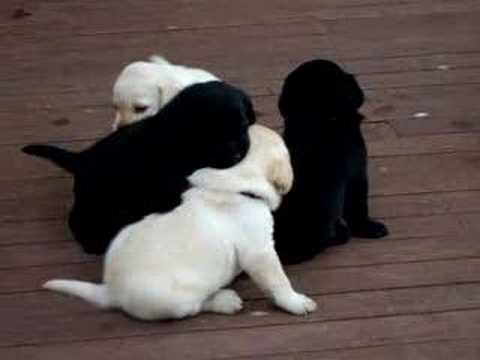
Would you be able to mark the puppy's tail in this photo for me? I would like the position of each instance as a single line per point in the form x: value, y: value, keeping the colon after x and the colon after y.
x: 95, y: 294
x: 64, y: 158
x: 158, y: 59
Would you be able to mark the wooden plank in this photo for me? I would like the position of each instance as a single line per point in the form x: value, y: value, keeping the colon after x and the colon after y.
x: 43, y: 219
x: 268, y: 79
x: 45, y: 119
x: 422, y: 246
x: 56, y: 125
x: 23, y: 166
x: 37, y: 188
x: 86, y: 114
x: 324, y: 281
x: 389, y: 175
x: 424, y: 173
x: 399, y: 105
x: 105, y: 70
x: 81, y: 73
x: 33, y: 232
x: 471, y: 223
x: 438, y: 101
x: 47, y: 239
x: 123, y: 48
x: 49, y: 199
x: 31, y: 279
x: 434, y: 125
x: 421, y: 78
x: 438, y: 350
x: 45, y: 19
x: 275, y: 339
x: 429, y: 62
x: 418, y: 35
x: 374, y: 252
x: 65, y: 123
x: 49, y: 314
x: 18, y: 212
x: 447, y: 225
x: 45, y: 253
x: 463, y: 165
x: 374, y: 277
x: 422, y: 68
x: 383, y: 145
x: 425, y: 204
x: 381, y: 138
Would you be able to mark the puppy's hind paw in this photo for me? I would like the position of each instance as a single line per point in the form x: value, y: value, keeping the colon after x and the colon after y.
x: 369, y: 229
x: 297, y: 304
x: 225, y: 301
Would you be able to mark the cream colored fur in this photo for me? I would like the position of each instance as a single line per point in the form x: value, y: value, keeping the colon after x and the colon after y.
x: 144, y: 87
x: 178, y: 264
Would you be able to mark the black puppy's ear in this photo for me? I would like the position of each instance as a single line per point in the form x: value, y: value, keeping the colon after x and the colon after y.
x: 353, y: 91
x: 249, y: 110
x: 61, y: 157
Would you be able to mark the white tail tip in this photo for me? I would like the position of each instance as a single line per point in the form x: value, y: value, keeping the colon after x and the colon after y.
x: 95, y: 294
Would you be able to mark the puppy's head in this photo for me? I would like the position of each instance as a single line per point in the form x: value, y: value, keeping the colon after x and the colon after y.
x: 320, y: 89
x: 136, y: 93
x: 140, y: 91
x: 268, y: 151
x: 267, y: 161
x: 265, y: 171
x: 213, y: 119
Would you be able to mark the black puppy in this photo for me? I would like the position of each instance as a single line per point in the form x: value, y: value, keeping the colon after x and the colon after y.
x: 328, y: 201
x: 142, y: 168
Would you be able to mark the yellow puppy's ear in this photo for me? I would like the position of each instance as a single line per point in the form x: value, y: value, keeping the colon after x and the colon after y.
x: 281, y: 175
x: 158, y: 59
x: 161, y: 94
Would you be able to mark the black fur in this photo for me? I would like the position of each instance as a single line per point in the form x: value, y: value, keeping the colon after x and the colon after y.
x: 142, y: 168
x: 328, y: 201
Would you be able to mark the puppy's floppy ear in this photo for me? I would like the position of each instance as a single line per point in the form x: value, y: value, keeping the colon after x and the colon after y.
x: 161, y: 93
x: 249, y: 110
x: 280, y: 175
x: 158, y: 59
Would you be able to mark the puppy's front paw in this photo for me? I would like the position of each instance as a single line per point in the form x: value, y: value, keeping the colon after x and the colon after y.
x: 296, y: 303
x: 369, y: 229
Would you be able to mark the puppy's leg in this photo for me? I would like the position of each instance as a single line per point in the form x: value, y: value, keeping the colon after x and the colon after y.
x: 225, y: 301
x: 356, y: 210
x: 342, y: 233
x: 266, y: 271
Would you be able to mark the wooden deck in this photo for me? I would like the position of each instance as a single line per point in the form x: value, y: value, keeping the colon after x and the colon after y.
x: 414, y: 295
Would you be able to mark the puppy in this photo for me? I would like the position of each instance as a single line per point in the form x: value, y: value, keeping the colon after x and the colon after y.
x: 178, y: 264
x: 143, y: 88
x: 328, y: 202
x: 142, y: 168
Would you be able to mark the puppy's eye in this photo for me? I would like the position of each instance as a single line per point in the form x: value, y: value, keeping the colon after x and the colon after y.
x: 140, y: 109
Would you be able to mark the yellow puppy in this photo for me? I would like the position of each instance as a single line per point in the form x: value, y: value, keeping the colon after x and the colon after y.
x: 179, y: 264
